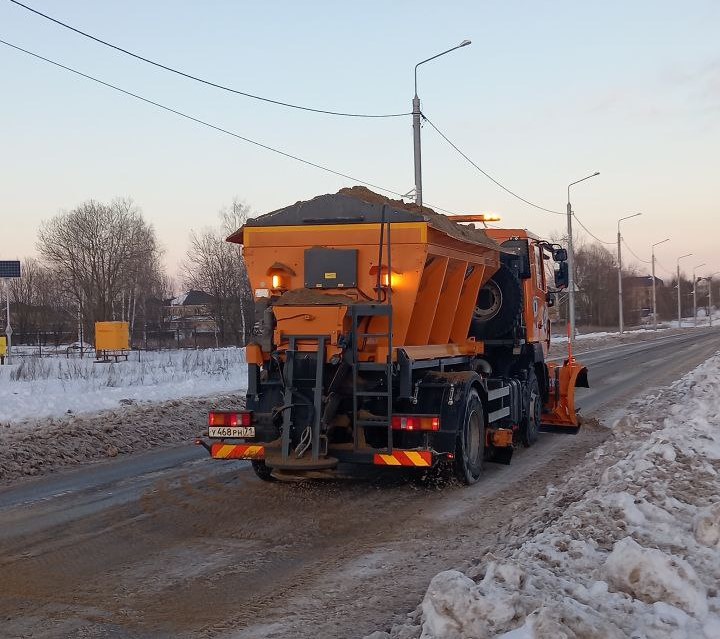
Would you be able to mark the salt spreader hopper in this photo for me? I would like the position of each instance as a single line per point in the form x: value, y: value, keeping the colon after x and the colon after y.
x: 393, y: 336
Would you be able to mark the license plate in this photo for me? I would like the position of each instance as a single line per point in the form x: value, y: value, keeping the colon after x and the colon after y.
x: 231, y: 431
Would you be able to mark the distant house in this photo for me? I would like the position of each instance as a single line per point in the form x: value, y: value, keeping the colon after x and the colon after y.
x: 637, y: 292
x: 189, y: 314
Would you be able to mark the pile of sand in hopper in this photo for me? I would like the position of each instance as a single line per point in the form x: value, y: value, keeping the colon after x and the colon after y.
x: 364, y: 203
x: 436, y: 220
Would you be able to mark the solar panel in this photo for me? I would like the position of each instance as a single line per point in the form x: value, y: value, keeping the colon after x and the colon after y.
x: 9, y: 268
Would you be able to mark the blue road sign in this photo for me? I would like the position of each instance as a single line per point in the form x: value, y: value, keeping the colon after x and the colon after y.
x: 9, y: 268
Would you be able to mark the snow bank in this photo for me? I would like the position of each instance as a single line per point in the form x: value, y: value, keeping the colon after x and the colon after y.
x: 633, y: 547
x: 35, y: 387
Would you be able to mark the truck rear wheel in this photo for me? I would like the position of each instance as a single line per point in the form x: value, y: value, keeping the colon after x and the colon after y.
x: 470, y: 449
x: 262, y: 470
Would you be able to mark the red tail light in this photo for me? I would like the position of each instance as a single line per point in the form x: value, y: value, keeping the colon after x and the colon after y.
x: 415, y: 422
x: 228, y: 418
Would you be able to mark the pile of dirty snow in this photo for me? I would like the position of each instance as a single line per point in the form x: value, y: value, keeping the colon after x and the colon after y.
x: 41, y: 446
x: 43, y: 387
x: 631, y: 547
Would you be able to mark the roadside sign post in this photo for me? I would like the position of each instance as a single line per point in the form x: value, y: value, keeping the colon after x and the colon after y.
x: 9, y: 269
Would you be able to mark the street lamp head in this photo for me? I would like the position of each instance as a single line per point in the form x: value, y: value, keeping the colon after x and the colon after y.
x: 627, y: 217
x: 587, y: 177
x: 464, y: 43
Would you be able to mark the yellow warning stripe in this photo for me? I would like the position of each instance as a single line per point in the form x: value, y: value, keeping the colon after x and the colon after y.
x: 405, y: 458
x: 236, y: 451
x: 224, y: 451
x: 416, y: 458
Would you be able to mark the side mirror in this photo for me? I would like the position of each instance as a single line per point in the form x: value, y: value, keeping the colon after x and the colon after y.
x: 560, y: 255
x: 562, y: 276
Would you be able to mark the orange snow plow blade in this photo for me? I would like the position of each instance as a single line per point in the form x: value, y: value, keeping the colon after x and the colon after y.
x: 559, y: 410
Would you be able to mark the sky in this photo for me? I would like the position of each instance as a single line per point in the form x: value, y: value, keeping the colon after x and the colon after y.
x: 547, y: 93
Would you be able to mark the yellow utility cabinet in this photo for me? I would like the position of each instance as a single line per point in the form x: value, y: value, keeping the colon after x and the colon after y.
x: 112, y: 336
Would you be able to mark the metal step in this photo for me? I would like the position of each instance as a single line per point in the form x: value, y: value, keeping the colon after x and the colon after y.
x: 372, y: 394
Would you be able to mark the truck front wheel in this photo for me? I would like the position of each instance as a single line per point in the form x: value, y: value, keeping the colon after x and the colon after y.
x: 530, y: 426
x: 470, y: 449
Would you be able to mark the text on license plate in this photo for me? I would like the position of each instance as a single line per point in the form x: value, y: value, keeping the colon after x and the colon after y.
x: 231, y: 431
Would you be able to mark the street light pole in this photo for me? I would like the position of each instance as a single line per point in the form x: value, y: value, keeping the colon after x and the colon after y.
x: 709, y: 281
x: 571, y: 258
x: 679, y: 304
x: 620, y: 299
x: 416, y: 113
x: 8, y: 327
x: 695, y: 294
x: 652, y: 250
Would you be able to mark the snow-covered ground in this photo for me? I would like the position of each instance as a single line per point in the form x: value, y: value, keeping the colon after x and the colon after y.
x: 687, y: 322
x: 628, y: 544
x: 562, y: 339
x: 34, y: 387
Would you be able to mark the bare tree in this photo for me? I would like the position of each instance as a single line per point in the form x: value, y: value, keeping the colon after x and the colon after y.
x: 40, y: 305
x: 217, y: 267
x: 104, y: 255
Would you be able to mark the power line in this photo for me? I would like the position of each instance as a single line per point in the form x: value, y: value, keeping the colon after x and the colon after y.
x: 203, y: 81
x: 202, y: 122
x: 627, y: 246
x: 217, y: 128
x: 589, y: 232
x: 487, y: 175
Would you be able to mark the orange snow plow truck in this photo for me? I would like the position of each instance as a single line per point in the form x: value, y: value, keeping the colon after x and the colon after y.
x: 392, y: 335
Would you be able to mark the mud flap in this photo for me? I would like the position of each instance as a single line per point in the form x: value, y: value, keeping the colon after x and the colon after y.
x: 499, y: 445
x: 501, y: 455
x: 559, y: 411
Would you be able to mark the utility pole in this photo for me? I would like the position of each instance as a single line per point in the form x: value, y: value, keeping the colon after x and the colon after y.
x: 710, y: 308
x: 679, y: 301
x: 416, y: 113
x: 620, y: 304
x: 8, y: 328
x: 571, y: 271
x: 619, y: 240
x: 571, y: 258
x: 695, y: 294
x: 417, y: 153
x: 654, y: 297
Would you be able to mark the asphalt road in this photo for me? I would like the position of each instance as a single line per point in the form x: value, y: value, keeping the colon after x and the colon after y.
x: 170, y: 543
